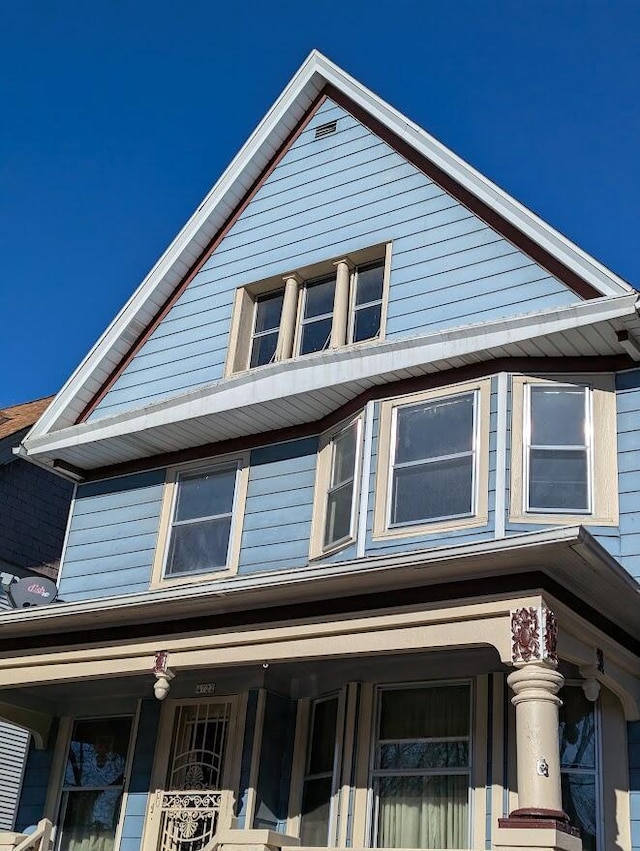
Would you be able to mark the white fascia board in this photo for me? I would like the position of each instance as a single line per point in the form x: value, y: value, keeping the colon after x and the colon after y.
x: 567, y: 535
x: 328, y: 369
x: 296, y: 96
x: 558, y: 245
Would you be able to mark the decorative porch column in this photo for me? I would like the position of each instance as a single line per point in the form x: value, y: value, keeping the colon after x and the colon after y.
x: 539, y: 822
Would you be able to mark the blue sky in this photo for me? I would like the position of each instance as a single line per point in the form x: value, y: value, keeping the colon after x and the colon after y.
x: 117, y: 117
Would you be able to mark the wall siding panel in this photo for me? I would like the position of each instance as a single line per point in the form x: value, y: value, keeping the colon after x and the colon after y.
x: 14, y: 744
x: 112, y: 537
x: 328, y: 197
x: 35, y: 782
x: 279, y: 507
x: 138, y: 792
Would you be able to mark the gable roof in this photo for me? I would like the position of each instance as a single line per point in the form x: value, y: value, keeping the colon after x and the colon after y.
x: 18, y: 417
x: 316, y: 77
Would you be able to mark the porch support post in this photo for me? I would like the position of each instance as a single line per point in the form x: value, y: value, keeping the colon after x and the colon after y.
x: 536, y: 686
x: 539, y: 822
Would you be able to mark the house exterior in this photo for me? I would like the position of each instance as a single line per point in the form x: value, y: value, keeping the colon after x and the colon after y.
x: 352, y: 555
x: 34, y: 507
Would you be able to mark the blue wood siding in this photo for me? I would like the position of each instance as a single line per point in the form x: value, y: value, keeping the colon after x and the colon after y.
x: 326, y: 198
x: 112, y: 537
x: 247, y: 756
x: 276, y: 754
x: 277, y: 521
x: 136, y: 807
x: 628, y: 407
x: 35, y: 782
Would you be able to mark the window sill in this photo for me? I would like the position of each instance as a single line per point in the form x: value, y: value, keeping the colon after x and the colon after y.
x: 318, y: 555
x: 191, y: 578
x: 541, y: 519
x: 417, y: 530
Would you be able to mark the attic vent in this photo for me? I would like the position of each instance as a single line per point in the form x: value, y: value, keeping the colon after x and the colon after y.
x: 326, y: 129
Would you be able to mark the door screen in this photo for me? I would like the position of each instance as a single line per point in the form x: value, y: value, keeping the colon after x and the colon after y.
x: 193, y: 800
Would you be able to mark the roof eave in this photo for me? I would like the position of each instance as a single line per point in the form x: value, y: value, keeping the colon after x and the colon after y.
x: 315, y: 72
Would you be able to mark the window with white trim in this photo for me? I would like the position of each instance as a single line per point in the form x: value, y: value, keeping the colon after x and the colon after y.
x: 202, y: 515
x: 563, y: 459
x: 327, y: 305
x: 421, y: 767
x: 93, y: 784
x: 558, y: 448
x: 433, y: 461
x: 337, y: 488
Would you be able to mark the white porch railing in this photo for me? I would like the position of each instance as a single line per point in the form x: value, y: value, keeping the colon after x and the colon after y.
x: 39, y: 840
x: 189, y: 819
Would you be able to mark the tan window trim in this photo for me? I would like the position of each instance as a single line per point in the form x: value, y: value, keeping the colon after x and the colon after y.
x: 158, y: 579
x: 604, y: 467
x: 480, y: 516
x: 293, y: 281
x: 317, y: 549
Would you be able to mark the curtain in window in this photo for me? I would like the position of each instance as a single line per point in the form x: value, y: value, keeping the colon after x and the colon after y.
x: 422, y: 768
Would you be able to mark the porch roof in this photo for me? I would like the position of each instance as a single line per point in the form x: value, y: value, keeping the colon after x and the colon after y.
x: 567, y: 562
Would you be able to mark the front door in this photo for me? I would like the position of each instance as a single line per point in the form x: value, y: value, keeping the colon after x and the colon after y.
x: 196, y: 791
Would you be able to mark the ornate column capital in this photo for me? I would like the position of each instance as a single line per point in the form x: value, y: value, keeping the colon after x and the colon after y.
x: 534, y: 635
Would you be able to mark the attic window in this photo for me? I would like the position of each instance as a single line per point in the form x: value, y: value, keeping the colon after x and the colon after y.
x: 326, y: 129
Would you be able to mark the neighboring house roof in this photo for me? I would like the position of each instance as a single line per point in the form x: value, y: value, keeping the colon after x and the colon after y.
x: 18, y: 417
x: 261, y: 152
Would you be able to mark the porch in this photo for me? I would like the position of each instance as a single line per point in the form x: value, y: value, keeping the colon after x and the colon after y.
x: 377, y: 728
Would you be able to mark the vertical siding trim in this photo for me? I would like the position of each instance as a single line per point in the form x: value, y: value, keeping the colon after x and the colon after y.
x: 364, y: 480
x: 501, y: 457
x: 54, y: 792
x: 255, y: 759
x: 133, y: 736
x: 67, y: 532
x: 479, y: 763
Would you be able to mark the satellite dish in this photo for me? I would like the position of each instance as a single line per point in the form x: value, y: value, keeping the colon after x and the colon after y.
x: 33, y: 591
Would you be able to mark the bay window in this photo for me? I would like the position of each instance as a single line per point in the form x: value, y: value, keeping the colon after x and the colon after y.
x: 433, y: 461
x: 563, y: 450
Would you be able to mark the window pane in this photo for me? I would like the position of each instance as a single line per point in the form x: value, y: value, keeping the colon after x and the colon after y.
x: 557, y: 416
x: 199, y: 546
x: 577, y: 730
x: 367, y: 323
x: 579, y: 803
x: 315, y: 336
x: 417, y: 755
x: 338, y: 522
x: 421, y: 713
x: 423, y: 812
x: 205, y: 494
x: 323, y: 739
x: 437, y: 428
x: 268, y: 312
x: 430, y: 491
x: 90, y: 820
x: 316, y: 804
x: 558, y: 480
x: 263, y: 349
x: 319, y: 298
x: 344, y: 456
x: 98, y: 752
x: 369, y: 287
